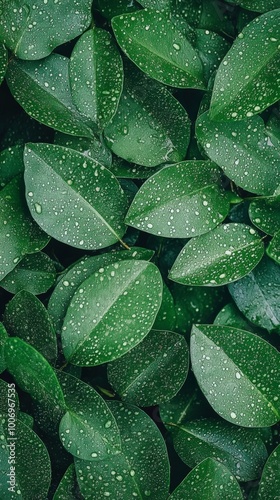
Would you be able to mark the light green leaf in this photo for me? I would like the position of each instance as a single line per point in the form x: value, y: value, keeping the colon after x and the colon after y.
x: 93, y: 148
x: 273, y: 249
x: 209, y: 479
x: 111, y: 312
x: 270, y: 481
x: 221, y: 256
x: 68, y: 487
x: 141, y: 470
x: 180, y: 201
x: 247, y: 81
x: 244, y: 393
x: 243, y: 150
x: 42, y: 88
x: 19, y: 234
x: 152, y: 372
x: 31, y: 30
x: 156, y: 45
x: 150, y: 127
x: 73, y: 198
x: 88, y: 430
x: 257, y: 295
x: 258, y: 5
x: 265, y: 214
x: 3, y: 61
x: 96, y: 76
x: 240, y: 450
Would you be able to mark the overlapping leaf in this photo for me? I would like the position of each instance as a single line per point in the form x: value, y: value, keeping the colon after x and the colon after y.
x: 265, y: 214
x: 270, y: 481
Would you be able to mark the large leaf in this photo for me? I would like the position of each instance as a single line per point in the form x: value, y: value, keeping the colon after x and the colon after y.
x: 3, y: 61
x: 111, y: 312
x: 180, y: 201
x: 141, y: 470
x: 243, y: 150
x: 231, y: 368
x: 241, y: 450
x: 68, y: 487
x: 270, y: 481
x: 258, y: 5
x: 209, y: 479
x: 31, y: 30
x: 221, y: 256
x: 257, y: 295
x: 19, y: 235
x: 73, y: 198
x: 152, y: 372
x: 265, y: 214
x: 88, y: 430
x: 96, y: 76
x: 42, y: 88
x: 150, y: 126
x: 247, y: 79
x: 156, y: 45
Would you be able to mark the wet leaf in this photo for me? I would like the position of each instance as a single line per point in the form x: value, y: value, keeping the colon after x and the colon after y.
x: 180, y: 201
x: 231, y: 368
x: 73, y: 198
x: 109, y: 8
x: 270, y: 481
x: 119, y: 304
x: 3, y: 61
x: 11, y: 162
x: 273, y: 249
x: 221, y: 256
x: 166, y: 316
x: 265, y: 214
x: 3, y: 338
x: 211, y: 48
x: 68, y: 487
x: 93, y: 148
x: 258, y: 5
x: 230, y: 315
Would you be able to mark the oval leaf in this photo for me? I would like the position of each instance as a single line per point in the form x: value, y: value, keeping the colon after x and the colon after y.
x: 273, y: 249
x: 93, y: 147
x: 270, y: 480
x: 3, y: 61
x: 264, y: 213
x: 68, y: 487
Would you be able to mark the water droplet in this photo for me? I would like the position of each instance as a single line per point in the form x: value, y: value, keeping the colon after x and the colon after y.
x: 38, y: 208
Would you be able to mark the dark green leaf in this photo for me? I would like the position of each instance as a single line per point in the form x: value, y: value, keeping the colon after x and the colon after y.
x: 265, y: 214
x: 125, y: 170
x: 11, y: 162
x: 166, y: 316
x: 270, y: 480
x: 3, y: 61
x: 188, y: 404
x: 273, y: 249
x: 68, y: 487
x: 3, y: 338
x: 231, y: 316
x: 93, y: 148
x: 109, y: 8
x: 211, y: 48
x: 258, y: 5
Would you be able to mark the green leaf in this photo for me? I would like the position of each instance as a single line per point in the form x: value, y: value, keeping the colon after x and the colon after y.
x: 26, y: 317
x: 119, y: 304
x: 79, y: 272
x: 258, y: 5
x: 243, y: 150
x: 35, y: 273
x: 273, y: 249
x: 96, y: 76
x: 152, y: 372
x: 3, y: 61
x: 240, y: 450
x: 33, y: 373
x: 247, y: 79
x: 209, y: 479
x: 19, y: 234
x: 270, y: 481
x: 88, y: 430
x: 221, y: 256
x: 11, y: 161
x: 150, y: 127
x: 109, y: 8
x: 124, y: 170
x: 33, y: 29
x: 166, y: 316
x: 243, y: 392
x: 180, y: 201
x: 211, y: 48
x: 257, y: 295
x: 141, y: 470
x: 3, y: 338
x: 93, y: 148
x: 42, y: 88
x: 73, y: 198
x: 68, y: 487
x: 264, y: 213
x: 230, y: 315
x: 156, y: 45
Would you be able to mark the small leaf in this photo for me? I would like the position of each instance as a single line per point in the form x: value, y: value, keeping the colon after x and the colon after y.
x: 110, y: 9
x: 264, y: 213
x: 166, y: 316
x: 180, y: 201
x: 244, y: 392
x: 221, y: 256
x: 68, y: 487
x: 170, y: 59
x: 88, y: 429
x: 273, y: 249
x: 258, y: 5
x: 3, y: 61
x: 152, y: 372
x: 3, y: 338
x: 75, y: 199
x: 230, y: 315
x: 11, y: 161
x: 209, y: 479
x: 247, y: 79
x: 93, y: 147
x: 211, y: 48
x: 119, y: 304
x: 257, y: 295
x: 270, y: 481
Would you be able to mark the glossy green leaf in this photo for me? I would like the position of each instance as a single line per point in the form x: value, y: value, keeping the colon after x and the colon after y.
x: 93, y: 148
x: 136, y: 472
x: 247, y: 81
x: 180, y: 201
x: 209, y: 479
x: 96, y: 76
x: 26, y: 317
x: 230, y: 315
x: 88, y: 429
x: 33, y: 29
x: 73, y: 198
x: 150, y: 126
x: 166, y: 316
x: 221, y: 256
x: 81, y: 270
x: 273, y: 249
x: 109, y: 8
x: 244, y: 391
x: 11, y: 164
x: 270, y: 481
x: 156, y: 45
x: 3, y: 61
x: 3, y: 338
x: 155, y: 4
x: 68, y: 487
x: 257, y: 295
x: 35, y: 273
x: 119, y: 304
x: 258, y: 5
x: 240, y: 450
x: 243, y: 150
x: 273, y: 127
x: 125, y: 170
x: 265, y: 214
x: 19, y: 234
x: 42, y: 88
x: 211, y: 48
x: 152, y: 372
